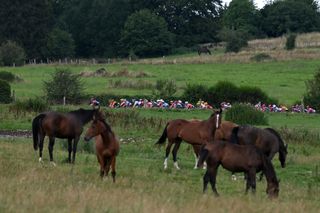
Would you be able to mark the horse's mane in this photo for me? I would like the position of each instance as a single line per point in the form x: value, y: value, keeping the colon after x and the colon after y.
x: 84, y: 115
x: 108, y: 127
x: 281, y: 143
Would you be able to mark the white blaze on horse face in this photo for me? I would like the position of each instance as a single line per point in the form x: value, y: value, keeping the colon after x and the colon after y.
x: 217, y: 121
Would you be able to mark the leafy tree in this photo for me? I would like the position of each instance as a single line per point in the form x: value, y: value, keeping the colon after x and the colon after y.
x: 11, y: 53
x: 64, y: 84
x: 312, y: 96
x: 236, y: 39
x: 294, y: 16
x: 146, y: 34
x: 27, y: 23
x: 291, y: 41
x: 60, y: 44
x: 165, y: 88
x: 242, y: 15
x: 5, y: 92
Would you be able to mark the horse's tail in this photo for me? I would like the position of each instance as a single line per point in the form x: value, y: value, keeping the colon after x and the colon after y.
x: 234, y: 135
x: 36, y: 125
x: 202, y: 156
x: 163, y: 137
x: 282, y: 147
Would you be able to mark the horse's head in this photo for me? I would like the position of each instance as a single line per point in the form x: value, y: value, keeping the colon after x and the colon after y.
x: 96, y: 128
x: 273, y: 189
x: 283, y: 156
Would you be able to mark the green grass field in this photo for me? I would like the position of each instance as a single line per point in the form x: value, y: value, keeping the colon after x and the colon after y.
x: 142, y: 184
x: 284, y: 81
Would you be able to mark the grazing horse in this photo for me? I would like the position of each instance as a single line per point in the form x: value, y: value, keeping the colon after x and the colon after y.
x: 203, y: 49
x: 61, y: 125
x: 107, y: 146
x: 237, y: 158
x: 193, y: 132
x: 267, y: 140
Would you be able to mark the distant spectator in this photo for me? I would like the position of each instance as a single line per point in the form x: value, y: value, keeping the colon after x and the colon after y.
x: 94, y: 102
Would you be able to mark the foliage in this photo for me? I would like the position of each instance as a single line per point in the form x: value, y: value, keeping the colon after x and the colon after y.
x: 291, y: 41
x: 312, y: 96
x: 222, y: 91
x: 63, y: 84
x: 195, y: 92
x: 60, y: 44
x: 12, y: 54
x: 7, y: 76
x: 5, y: 92
x: 146, y: 34
x: 236, y: 39
x: 242, y: 15
x: 165, y: 88
x: 248, y: 94
x: 29, y: 105
x: 27, y: 23
x: 245, y: 114
x: 294, y: 16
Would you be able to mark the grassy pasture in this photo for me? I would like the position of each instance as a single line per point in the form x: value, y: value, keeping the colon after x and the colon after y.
x: 284, y: 80
x: 142, y: 184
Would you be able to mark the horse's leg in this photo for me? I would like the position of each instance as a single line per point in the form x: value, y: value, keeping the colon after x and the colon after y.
x: 107, y: 165
x: 196, y: 150
x: 74, y: 148
x: 113, y: 168
x: 165, y: 163
x: 50, y: 147
x: 101, y: 162
x: 206, y: 179
x: 251, y: 180
x: 212, y: 174
x: 69, y: 149
x: 174, y: 154
x: 41, y: 140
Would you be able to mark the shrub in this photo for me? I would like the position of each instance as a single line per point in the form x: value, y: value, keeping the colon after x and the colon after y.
x: 253, y: 95
x: 245, y: 114
x: 5, y: 92
x: 235, y: 39
x: 64, y: 84
x: 7, y: 76
x: 312, y: 96
x: 165, y: 88
x: 291, y: 42
x: 195, y: 92
x: 223, y: 91
x: 11, y: 53
x: 30, y: 105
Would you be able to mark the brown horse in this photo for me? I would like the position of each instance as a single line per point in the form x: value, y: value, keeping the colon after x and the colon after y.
x: 237, y: 158
x: 107, y: 146
x: 61, y: 125
x: 267, y: 140
x: 193, y: 132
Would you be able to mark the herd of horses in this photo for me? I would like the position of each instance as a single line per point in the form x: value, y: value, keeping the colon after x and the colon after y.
x: 215, y: 142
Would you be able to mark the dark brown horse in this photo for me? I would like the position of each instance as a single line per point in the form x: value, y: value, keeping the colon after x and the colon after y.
x: 61, y: 125
x: 237, y: 158
x: 107, y: 146
x: 223, y: 133
x: 203, y: 49
x: 193, y: 132
x: 267, y: 140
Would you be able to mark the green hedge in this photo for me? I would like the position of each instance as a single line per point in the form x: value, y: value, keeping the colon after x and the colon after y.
x: 5, y: 92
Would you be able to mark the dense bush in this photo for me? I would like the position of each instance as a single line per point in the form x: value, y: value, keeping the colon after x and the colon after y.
x: 245, y: 114
x: 223, y: 91
x: 312, y: 96
x: 30, y: 105
x: 291, y: 42
x: 253, y: 95
x: 64, y: 84
x: 195, y: 92
x: 7, y: 76
x: 236, y: 39
x: 12, y: 54
x: 5, y: 92
x: 165, y: 88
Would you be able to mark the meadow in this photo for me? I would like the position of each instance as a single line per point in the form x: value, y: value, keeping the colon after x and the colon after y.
x: 142, y: 184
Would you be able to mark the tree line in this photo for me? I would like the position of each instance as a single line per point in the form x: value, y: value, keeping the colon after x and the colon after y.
x: 56, y: 29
